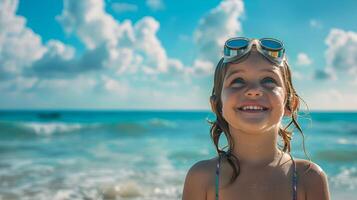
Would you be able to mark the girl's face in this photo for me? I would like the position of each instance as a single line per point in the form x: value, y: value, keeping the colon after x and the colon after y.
x: 254, y: 81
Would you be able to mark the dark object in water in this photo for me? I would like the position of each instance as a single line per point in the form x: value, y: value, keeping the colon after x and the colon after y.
x: 53, y: 115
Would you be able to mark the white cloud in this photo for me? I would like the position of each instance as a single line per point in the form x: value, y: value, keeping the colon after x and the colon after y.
x: 90, y: 22
x: 114, y: 47
x: 341, y: 53
x: 333, y: 99
x: 148, y: 43
x: 216, y: 27
x: 155, y: 4
x: 139, y: 42
x: 127, y: 59
x: 19, y: 45
x: 119, y: 47
x: 56, y: 59
x: 18, y: 84
x: 297, y: 75
x: 134, y: 49
x: 124, y: 7
x: 303, y: 59
x: 22, y: 52
x: 74, y: 86
x: 202, y: 67
x: 112, y: 85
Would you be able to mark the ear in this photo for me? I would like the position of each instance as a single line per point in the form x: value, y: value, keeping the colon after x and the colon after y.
x: 287, y: 112
x: 213, y: 102
x: 293, y: 105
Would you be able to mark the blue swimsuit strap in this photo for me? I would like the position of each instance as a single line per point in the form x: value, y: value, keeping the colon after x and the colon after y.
x: 217, y: 175
x: 294, y: 178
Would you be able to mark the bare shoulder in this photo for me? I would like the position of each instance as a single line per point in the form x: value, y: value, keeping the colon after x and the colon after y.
x: 198, y: 179
x: 310, y: 170
x: 313, y: 179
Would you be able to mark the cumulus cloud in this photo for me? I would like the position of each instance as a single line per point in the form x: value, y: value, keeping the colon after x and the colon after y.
x: 90, y: 22
x: 23, y: 54
x: 112, y: 85
x: 202, y: 67
x: 149, y: 44
x: 341, y: 53
x: 19, y: 45
x: 139, y: 41
x: 303, y: 59
x: 120, y: 47
x: 28, y: 65
x: 216, y: 27
x: 297, y: 75
x: 57, y: 59
x: 155, y: 4
x: 116, y: 48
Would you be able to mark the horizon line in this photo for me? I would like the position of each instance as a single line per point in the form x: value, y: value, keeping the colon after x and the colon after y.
x: 146, y: 110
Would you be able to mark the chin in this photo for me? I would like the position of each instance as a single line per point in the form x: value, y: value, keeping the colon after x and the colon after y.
x: 252, y: 125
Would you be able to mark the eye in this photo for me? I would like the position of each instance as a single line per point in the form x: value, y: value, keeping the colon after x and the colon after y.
x: 269, y: 80
x: 237, y: 81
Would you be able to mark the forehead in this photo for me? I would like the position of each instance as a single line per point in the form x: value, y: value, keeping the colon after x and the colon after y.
x: 255, y: 63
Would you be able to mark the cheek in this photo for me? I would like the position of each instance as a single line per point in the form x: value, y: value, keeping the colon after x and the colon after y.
x: 279, y: 95
x: 227, y: 96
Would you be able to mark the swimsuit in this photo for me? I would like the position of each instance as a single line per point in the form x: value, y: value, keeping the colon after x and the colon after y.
x: 294, y: 185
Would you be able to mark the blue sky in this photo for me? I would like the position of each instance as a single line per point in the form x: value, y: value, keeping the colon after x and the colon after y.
x: 152, y: 54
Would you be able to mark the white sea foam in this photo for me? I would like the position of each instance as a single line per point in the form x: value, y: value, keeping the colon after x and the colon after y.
x: 162, y: 123
x: 62, y: 194
x: 129, y: 189
x: 346, y: 141
x: 51, y: 128
x: 346, y: 179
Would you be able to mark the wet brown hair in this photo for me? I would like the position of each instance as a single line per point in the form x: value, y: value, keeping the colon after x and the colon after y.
x: 220, y: 125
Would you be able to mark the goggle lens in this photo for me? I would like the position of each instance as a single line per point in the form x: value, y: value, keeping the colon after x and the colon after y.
x: 235, y: 46
x: 271, y: 44
x: 237, y: 43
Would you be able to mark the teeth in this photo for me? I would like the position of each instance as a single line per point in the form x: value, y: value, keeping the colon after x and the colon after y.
x: 252, y: 108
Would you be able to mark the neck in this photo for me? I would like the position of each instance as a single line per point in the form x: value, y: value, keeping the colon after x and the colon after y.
x: 255, y: 149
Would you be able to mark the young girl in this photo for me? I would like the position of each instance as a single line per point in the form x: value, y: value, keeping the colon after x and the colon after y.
x: 252, y: 92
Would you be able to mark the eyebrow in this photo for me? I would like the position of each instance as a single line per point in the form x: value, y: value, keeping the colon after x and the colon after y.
x: 242, y: 70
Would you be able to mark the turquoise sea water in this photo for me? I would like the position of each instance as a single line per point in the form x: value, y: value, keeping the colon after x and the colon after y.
x: 142, y: 155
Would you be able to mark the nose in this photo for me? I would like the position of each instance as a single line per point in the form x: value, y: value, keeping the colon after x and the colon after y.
x: 253, y: 91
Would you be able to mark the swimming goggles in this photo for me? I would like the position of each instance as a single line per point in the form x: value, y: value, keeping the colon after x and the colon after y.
x: 270, y: 48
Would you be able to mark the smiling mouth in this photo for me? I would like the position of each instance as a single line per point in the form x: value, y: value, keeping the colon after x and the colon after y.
x: 252, y: 110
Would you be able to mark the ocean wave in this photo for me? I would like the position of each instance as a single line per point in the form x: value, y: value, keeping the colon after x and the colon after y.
x: 346, y: 141
x: 129, y: 189
x: 160, y: 123
x: 51, y: 128
x: 337, y: 155
x: 347, y: 179
x: 35, y: 181
x: 36, y: 128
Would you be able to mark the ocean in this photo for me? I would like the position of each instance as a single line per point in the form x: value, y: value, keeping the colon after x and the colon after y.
x: 142, y: 154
